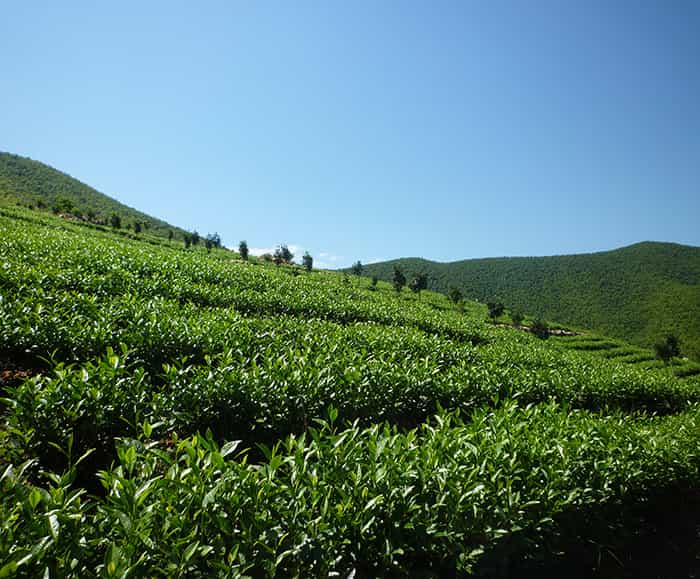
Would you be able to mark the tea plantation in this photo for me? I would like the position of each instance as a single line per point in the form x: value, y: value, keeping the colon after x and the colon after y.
x: 172, y: 412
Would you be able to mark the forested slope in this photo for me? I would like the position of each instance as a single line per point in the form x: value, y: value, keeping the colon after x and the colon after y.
x: 31, y: 183
x: 638, y: 293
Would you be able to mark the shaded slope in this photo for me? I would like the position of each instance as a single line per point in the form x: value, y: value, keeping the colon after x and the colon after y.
x: 35, y: 184
x: 638, y: 292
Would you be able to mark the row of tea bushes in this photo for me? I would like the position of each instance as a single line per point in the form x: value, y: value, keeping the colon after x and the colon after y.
x: 449, y: 496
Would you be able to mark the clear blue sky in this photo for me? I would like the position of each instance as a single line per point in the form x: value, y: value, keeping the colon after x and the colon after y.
x: 371, y: 130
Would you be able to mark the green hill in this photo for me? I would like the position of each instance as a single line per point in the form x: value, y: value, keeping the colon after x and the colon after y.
x: 166, y: 411
x: 638, y: 293
x: 33, y: 184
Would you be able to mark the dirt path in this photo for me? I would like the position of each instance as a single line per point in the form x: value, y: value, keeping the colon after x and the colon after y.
x: 559, y: 332
x: 12, y: 374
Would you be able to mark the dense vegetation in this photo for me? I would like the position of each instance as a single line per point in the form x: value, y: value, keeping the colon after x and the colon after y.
x: 638, y: 293
x: 33, y: 184
x: 177, y: 412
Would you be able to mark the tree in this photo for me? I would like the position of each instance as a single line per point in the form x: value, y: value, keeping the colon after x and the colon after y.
x: 517, y: 317
x: 137, y: 227
x: 170, y: 234
x: 307, y: 261
x: 495, y: 310
x: 243, y: 250
x: 668, y: 349
x: 455, y: 294
x: 419, y: 282
x: 64, y: 205
x: 115, y: 221
x: 194, y: 238
x: 375, y: 281
x: 188, y: 240
x: 283, y: 255
x: 357, y: 268
x: 399, y: 279
x: 212, y: 240
x: 540, y: 328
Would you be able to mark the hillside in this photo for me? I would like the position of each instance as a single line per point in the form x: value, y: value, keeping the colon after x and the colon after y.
x: 165, y: 411
x: 27, y: 182
x: 638, y: 293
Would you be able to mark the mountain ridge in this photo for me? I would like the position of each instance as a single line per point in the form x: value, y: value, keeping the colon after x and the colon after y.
x: 646, y: 242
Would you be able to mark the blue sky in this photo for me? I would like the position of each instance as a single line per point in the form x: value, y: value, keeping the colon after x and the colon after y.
x: 371, y: 130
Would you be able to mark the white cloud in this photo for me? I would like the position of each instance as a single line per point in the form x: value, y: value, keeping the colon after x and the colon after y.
x: 325, y: 256
x: 258, y: 251
x: 322, y: 260
x: 326, y: 260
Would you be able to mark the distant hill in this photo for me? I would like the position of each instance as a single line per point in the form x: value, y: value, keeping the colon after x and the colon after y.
x: 31, y: 183
x: 638, y: 293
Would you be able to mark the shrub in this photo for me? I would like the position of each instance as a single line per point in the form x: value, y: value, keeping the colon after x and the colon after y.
x: 455, y: 294
x: 495, y: 310
x: 540, y: 328
x: 243, y: 250
x: 399, y: 279
x: 668, y: 349
x: 307, y: 261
